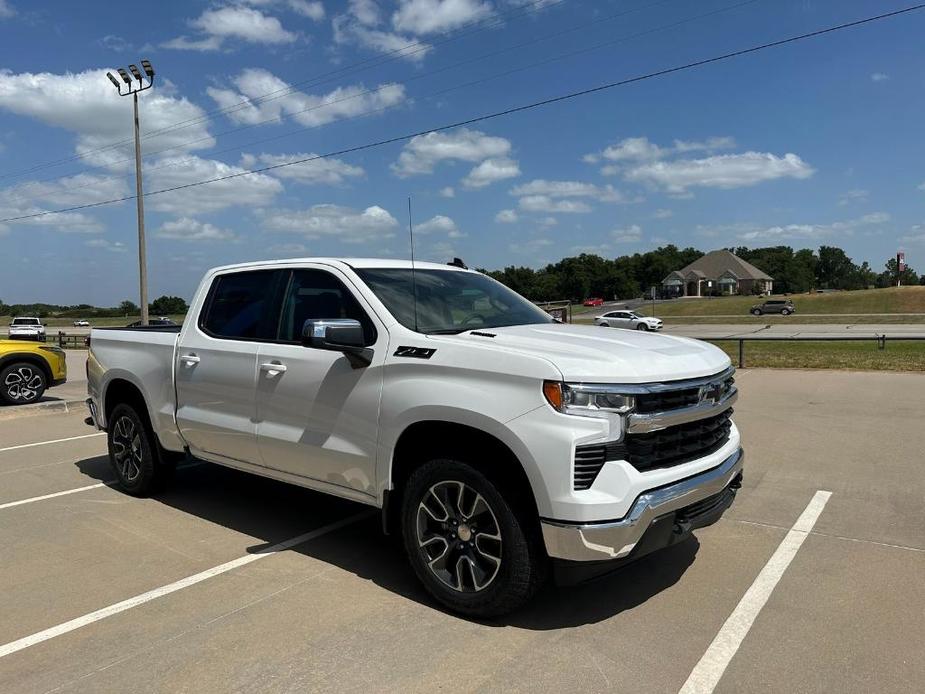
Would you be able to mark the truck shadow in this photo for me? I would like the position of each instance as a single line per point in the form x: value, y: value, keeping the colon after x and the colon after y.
x: 273, y: 512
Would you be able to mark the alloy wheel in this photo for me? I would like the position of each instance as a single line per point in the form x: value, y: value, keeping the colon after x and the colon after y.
x: 127, y: 449
x: 23, y: 384
x: 459, y: 537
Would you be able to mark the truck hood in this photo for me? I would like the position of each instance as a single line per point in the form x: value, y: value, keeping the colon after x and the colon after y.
x: 606, y: 355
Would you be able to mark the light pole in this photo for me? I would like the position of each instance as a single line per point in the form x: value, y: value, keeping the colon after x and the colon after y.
x: 131, y: 88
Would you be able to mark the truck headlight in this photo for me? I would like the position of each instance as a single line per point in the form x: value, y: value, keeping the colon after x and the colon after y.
x: 586, y: 400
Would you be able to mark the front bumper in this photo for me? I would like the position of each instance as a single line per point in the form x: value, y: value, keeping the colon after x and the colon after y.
x: 612, y: 540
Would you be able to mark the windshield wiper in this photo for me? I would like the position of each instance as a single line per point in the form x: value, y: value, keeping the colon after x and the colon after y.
x: 447, y: 331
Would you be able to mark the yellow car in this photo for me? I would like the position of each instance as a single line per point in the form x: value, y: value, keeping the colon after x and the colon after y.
x: 27, y: 369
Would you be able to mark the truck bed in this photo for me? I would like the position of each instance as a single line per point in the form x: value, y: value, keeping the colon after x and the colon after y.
x: 144, y: 357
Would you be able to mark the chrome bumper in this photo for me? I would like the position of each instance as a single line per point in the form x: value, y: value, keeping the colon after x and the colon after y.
x: 616, y: 539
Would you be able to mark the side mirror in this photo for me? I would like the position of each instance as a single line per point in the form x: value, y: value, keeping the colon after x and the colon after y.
x: 338, y: 335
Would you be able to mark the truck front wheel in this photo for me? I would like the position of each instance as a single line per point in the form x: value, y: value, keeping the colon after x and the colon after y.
x: 471, y: 549
x: 133, y: 452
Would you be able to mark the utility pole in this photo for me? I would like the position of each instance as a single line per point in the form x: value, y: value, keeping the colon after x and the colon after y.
x: 139, y: 194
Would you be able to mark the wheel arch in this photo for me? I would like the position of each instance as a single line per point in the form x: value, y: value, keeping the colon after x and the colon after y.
x: 423, y: 440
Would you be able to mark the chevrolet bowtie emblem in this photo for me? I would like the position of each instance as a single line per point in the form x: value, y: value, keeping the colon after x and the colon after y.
x: 712, y: 392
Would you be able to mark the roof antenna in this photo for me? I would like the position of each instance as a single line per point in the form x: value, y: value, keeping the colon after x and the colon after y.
x: 414, y: 286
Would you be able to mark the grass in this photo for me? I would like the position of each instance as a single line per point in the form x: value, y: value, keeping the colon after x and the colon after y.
x: 798, y: 319
x: 859, y: 356
x: 888, y: 300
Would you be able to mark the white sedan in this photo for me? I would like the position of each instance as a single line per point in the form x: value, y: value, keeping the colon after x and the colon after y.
x: 628, y: 320
x: 81, y: 323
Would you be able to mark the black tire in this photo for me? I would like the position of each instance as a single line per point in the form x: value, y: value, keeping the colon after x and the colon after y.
x: 521, y: 561
x: 642, y: 326
x: 22, y: 383
x: 604, y: 325
x: 135, y: 454
x: 785, y: 312
x: 756, y: 311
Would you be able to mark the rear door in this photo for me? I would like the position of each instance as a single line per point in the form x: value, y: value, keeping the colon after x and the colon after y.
x: 216, y: 370
x: 317, y: 414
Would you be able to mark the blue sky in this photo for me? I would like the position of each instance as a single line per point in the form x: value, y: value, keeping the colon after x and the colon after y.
x: 809, y: 144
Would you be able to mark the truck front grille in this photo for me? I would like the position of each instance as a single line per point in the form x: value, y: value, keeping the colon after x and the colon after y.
x: 658, y: 449
x: 661, y: 401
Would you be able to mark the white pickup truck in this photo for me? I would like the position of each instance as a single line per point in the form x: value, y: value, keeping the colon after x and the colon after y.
x: 503, y: 446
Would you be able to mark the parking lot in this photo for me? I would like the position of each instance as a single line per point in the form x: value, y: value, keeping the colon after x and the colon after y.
x: 228, y: 582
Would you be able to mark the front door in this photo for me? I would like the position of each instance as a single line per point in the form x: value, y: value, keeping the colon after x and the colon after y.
x: 216, y: 370
x: 317, y: 414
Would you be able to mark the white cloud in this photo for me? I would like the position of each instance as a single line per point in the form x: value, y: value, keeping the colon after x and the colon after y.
x: 815, y: 231
x: 439, y: 224
x: 544, y: 203
x: 879, y: 77
x: 569, y: 189
x: 663, y: 214
x: 424, y: 152
x: 630, y: 234
x: 312, y: 10
x: 639, y: 149
x: 725, y: 171
x: 307, y: 109
x: 548, y: 222
x: 87, y: 104
x: 490, y: 171
x: 447, y: 192
x: 362, y: 25
x: 423, y: 17
x: 327, y: 171
x: 291, y: 249
x: 346, y: 224
x: 107, y: 245
x: 232, y: 22
x: 506, y: 217
x: 6, y: 10
x: 187, y: 229
x: 252, y: 190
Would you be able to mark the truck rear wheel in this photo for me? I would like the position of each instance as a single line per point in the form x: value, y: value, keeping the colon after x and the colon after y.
x: 471, y: 548
x: 134, y: 452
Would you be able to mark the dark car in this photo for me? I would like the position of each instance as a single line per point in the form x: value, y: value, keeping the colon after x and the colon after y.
x: 152, y: 321
x: 782, y: 306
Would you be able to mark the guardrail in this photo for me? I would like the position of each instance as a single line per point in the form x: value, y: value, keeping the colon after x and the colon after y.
x: 881, y: 340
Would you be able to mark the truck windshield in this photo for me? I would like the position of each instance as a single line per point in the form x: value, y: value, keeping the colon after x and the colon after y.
x: 25, y: 321
x: 450, y: 301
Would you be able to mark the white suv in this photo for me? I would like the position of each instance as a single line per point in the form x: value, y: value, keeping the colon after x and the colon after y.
x: 23, y: 328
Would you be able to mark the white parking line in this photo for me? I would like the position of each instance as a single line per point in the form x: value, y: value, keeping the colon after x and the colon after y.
x: 11, y: 504
x: 77, y: 623
x: 107, y: 483
x: 708, y: 671
x: 45, y: 443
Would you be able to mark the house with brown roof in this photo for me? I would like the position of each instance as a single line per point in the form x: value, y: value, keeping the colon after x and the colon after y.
x: 718, y: 271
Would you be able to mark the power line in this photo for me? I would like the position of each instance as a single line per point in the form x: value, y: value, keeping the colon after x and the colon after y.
x: 497, y: 114
x: 546, y: 61
x: 369, y: 63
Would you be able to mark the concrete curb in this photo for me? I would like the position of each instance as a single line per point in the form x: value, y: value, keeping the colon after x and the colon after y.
x: 41, y: 408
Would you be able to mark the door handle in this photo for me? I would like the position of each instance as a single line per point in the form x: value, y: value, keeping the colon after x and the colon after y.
x: 273, y: 369
x: 189, y: 358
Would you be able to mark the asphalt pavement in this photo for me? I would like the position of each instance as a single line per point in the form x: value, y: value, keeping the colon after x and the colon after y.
x: 810, y: 583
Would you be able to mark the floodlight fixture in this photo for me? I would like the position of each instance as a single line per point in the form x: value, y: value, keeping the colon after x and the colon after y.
x: 125, y: 78
x: 135, y: 72
x: 146, y: 66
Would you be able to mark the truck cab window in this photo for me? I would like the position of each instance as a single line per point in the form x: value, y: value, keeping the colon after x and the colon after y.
x: 238, y: 305
x: 317, y: 294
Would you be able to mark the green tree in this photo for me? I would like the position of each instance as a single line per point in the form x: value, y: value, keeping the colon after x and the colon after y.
x: 165, y: 305
x: 128, y: 308
x: 888, y: 277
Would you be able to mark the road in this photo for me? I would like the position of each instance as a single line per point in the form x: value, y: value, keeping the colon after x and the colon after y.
x: 342, y: 612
